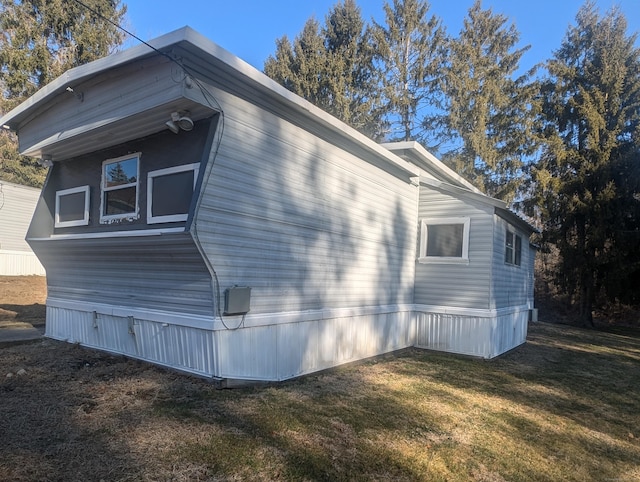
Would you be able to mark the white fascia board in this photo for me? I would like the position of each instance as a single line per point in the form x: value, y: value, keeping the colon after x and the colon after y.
x: 418, y: 152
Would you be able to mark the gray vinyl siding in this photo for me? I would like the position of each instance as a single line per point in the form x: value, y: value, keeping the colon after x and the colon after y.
x: 456, y: 284
x: 305, y: 224
x: 164, y: 272
x: 17, y: 204
x: 118, y: 106
x: 512, y: 285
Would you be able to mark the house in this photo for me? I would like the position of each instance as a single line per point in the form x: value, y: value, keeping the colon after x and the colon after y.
x: 199, y: 216
x: 17, y: 204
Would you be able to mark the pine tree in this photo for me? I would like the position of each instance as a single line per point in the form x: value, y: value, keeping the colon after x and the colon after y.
x: 486, y: 114
x: 40, y: 40
x: 354, y: 79
x: 588, y: 180
x: 331, y: 66
x: 409, y: 49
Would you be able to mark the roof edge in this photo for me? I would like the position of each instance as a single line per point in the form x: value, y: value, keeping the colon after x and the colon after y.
x: 82, y: 72
x: 423, y: 155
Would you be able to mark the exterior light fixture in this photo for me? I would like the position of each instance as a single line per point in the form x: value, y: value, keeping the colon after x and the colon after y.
x: 179, y: 120
x: 46, y: 160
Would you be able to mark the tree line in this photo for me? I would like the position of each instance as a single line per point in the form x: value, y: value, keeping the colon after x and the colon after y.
x: 559, y: 142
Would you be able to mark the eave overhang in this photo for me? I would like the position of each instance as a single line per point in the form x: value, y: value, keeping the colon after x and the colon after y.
x: 207, y: 62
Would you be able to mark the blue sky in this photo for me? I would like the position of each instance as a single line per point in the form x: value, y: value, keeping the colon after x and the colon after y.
x: 249, y: 28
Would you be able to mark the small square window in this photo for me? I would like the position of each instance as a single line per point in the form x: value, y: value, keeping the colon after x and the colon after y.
x: 120, y: 188
x: 444, y: 240
x: 513, y: 249
x: 169, y: 193
x: 72, y: 207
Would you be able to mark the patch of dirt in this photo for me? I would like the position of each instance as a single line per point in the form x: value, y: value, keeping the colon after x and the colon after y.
x: 22, y: 299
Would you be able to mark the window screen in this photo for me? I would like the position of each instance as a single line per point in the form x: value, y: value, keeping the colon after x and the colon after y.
x: 172, y: 194
x: 445, y: 240
x: 169, y: 193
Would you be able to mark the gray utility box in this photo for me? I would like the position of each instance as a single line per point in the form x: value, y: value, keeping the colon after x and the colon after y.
x: 237, y: 300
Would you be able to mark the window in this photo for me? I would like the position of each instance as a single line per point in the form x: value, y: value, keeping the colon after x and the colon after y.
x: 169, y: 193
x: 72, y: 207
x: 513, y: 249
x: 120, y: 188
x: 444, y: 240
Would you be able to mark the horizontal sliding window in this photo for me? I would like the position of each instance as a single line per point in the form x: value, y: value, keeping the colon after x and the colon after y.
x: 72, y: 207
x: 169, y: 193
x: 444, y: 240
x: 120, y: 188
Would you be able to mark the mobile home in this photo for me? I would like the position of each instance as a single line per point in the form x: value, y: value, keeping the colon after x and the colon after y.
x: 199, y: 216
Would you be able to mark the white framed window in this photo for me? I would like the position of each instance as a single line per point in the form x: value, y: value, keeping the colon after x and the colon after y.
x: 72, y: 207
x: 119, y: 199
x: 513, y: 249
x: 169, y: 193
x: 444, y: 240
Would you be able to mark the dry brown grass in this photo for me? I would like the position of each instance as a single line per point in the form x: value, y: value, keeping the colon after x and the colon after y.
x: 22, y: 299
x: 565, y: 406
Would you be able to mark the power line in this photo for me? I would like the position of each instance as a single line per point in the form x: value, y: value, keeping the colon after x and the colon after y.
x: 120, y: 27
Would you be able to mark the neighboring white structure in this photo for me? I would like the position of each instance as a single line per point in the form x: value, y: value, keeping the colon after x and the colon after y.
x: 198, y: 215
x: 17, y: 204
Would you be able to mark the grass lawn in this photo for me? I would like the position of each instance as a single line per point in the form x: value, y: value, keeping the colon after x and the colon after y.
x: 565, y: 406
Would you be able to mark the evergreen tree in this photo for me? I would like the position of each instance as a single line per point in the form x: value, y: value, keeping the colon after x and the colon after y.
x: 588, y: 180
x: 486, y: 114
x: 301, y: 66
x: 410, y: 48
x: 354, y: 78
x: 40, y: 40
x: 332, y: 67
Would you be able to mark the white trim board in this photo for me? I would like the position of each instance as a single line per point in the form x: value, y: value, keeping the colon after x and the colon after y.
x: 111, y: 234
x: 205, y: 322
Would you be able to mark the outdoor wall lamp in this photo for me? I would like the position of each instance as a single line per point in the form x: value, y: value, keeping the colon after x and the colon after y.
x: 46, y: 160
x: 179, y: 120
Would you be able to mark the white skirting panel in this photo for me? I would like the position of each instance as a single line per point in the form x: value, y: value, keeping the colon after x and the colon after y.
x: 268, y: 353
x: 282, y: 351
x: 279, y: 351
x: 20, y: 263
x: 481, y: 336
x: 183, y: 348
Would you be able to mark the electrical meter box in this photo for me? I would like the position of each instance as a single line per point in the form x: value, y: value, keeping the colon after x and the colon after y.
x: 237, y: 300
